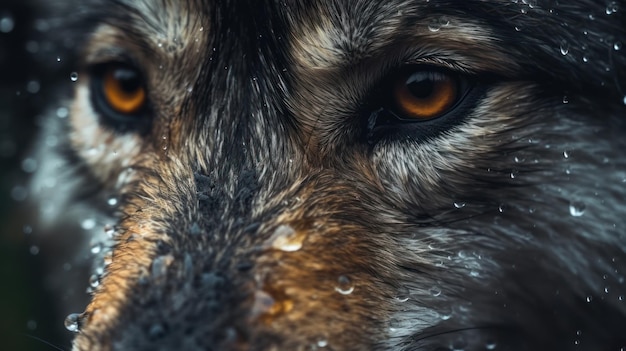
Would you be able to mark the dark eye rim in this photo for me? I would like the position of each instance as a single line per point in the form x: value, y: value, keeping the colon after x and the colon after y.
x: 138, y: 121
x: 383, y: 121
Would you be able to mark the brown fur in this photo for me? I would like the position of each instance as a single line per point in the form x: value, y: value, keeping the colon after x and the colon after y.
x: 255, y: 211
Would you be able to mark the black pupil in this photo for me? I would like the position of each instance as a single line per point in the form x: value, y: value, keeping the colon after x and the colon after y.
x: 422, y: 84
x: 128, y: 79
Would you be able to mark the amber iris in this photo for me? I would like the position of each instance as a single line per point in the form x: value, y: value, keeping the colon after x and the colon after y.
x: 424, y: 94
x: 123, y: 89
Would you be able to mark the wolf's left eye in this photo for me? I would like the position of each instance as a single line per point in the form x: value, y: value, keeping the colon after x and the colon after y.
x: 119, y: 94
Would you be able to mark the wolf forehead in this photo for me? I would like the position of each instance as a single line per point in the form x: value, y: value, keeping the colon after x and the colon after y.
x: 252, y: 215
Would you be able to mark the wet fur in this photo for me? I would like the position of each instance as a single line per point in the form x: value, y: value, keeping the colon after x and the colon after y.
x: 458, y: 240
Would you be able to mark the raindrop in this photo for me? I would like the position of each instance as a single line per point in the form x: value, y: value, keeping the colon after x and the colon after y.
x: 434, y: 26
x: 617, y: 46
x: 402, y: 295
x: 435, y: 291
x: 565, y: 99
x: 624, y: 100
x: 94, y: 281
x: 285, y: 238
x: 585, y: 59
x: 589, y: 298
x: 322, y: 342
x: 444, y: 21
x: 96, y: 248
x: 7, y: 23
x: 19, y: 193
x: 459, y: 204
x: 58, y: 58
x: 88, y: 224
x: 564, y: 48
x: 29, y: 165
x: 344, y: 285
x: 611, y: 8
x: 73, y: 76
x: 62, y: 112
x: 620, y: 298
x: 565, y: 154
x: 576, y: 208
x: 72, y: 322
x: 33, y: 87
x: 34, y: 250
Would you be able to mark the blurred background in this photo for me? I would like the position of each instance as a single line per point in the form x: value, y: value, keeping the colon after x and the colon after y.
x: 29, y: 319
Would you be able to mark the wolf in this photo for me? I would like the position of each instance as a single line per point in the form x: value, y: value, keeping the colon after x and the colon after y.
x: 338, y: 174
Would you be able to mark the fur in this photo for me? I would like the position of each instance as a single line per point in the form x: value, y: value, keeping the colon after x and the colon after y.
x: 255, y: 210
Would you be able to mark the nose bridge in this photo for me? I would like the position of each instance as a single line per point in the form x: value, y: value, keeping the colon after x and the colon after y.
x: 229, y: 276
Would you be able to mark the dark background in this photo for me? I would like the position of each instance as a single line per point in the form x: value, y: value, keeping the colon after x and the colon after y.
x: 28, y: 70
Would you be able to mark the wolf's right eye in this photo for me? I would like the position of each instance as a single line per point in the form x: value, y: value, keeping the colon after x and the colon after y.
x: 119, y: 94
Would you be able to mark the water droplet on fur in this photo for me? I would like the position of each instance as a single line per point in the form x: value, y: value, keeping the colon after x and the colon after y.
x: 589, y: 298
x: 88, y: 224
x: 434, y: 26
x: 96, y: 248
x: 565, y: 99
x: 585, y: 59
x: 459, y: 204
x: 112, y: 201
x: 7, y: 23
x: 344, y: 285
x: 624, y: 100
x: 33, y: 87
x: 73, y: 76
x: 576, y: 208
x: 19, y: 193
x: 564, y: 48
x: 611, y: 8
x: 72, y: 322
x: 29, y: 165
x: 620, y: 298
x: 287, y: 239
x: 490, y: 345
x: 34, y: 250
x: 322, y: 342
x: 402, y: 295
x: 62, y: 112
x: 94, y: 281
x: 617, y: 46
x: 435, y: 291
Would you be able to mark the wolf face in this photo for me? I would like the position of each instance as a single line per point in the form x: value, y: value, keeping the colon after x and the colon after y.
x: 344, y: 175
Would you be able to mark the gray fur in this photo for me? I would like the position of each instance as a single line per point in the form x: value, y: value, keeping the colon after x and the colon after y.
x: 505, y: 231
